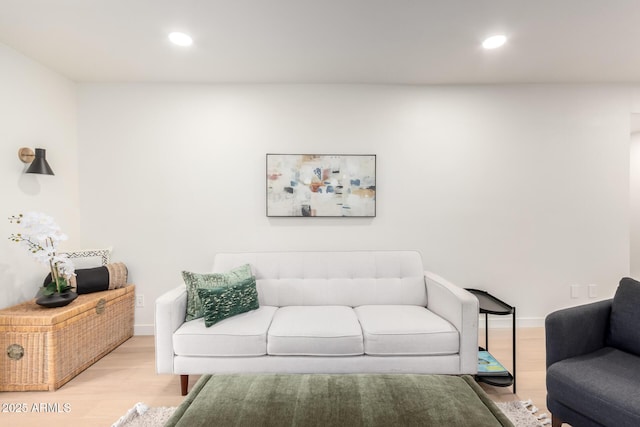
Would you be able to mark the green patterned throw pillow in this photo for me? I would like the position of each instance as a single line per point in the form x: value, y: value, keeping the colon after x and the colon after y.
x: 195, y: 281
x: 226, y: 301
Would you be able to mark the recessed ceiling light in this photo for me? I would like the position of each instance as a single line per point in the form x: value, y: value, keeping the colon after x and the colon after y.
x: 494, y: 41
x: 181, y: 39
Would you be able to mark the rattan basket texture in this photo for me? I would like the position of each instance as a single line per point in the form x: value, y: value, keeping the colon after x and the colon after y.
x: 44, y: 348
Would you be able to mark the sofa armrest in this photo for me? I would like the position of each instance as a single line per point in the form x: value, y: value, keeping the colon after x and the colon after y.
x: 460, y: 308
x: 171, y: 310
x: 577, y: 330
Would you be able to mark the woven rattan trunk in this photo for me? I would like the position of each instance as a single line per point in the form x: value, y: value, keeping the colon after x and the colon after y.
x: 44, y: 348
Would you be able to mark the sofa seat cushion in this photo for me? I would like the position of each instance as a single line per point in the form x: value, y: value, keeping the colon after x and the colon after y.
x: 602, y: 386
x: 315, y: 331
x: 394, y: 330
x: 241, y: 335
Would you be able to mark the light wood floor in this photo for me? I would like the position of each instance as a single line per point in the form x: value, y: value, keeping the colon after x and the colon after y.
x: 530, y: 374
x: 114, y: 384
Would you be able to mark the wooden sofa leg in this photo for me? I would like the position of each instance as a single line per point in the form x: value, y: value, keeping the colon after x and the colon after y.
x: 184, y: 384
x: 555, y: 421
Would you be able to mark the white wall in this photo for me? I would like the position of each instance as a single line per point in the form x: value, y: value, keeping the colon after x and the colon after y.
x: 634, y: 187
x: 519, y: 190
x: 635, y: 204
x: 37, y: 109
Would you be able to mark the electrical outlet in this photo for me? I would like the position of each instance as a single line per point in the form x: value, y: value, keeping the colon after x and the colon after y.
x: 139, y: 301
x: 575, y: 291
x: 593, y: 290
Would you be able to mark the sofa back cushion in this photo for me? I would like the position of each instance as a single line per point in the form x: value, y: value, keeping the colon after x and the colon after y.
x: 333, y: 278
x: 624, y: 327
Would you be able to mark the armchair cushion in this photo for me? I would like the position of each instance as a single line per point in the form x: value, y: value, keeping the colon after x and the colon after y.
x: 601, y: 386
x: 624, y: 329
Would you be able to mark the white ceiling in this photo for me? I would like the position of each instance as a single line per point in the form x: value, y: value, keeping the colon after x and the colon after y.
x: 329, y: 41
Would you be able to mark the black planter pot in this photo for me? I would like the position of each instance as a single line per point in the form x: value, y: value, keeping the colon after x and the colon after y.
x: 56, y: 300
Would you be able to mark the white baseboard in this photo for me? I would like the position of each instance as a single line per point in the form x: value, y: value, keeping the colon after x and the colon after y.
x: 143, y: 330
x: 506, y: 322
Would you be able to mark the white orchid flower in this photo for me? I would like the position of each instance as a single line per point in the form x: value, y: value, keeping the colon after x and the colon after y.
x: 40, y: 236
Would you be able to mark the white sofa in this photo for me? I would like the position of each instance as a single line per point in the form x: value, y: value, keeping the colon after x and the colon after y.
x: 326, y: 312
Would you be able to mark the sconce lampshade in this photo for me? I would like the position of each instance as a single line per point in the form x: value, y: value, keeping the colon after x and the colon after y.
x: 39, y: 163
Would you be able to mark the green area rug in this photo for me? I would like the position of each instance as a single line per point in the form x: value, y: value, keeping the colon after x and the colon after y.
x: 337, y: 400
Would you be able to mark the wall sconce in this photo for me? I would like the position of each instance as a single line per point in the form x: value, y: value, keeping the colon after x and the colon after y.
x: 38, y: 160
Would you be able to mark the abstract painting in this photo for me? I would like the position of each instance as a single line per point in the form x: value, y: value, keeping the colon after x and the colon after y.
x: 321, y: 185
